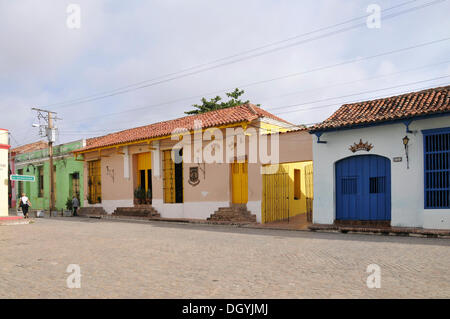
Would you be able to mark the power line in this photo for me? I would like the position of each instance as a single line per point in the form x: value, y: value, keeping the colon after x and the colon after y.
x: 353, y: 94
x: 355, y: 60
x: 12, y: 136
x: 289, y: 75
x: 355, y: 101
x: 130, y: 88
x: 323, y: 100
x: 359, y: 80
x: 237, y: 54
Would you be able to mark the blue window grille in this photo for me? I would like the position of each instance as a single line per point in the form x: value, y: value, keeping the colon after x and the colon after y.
x: 437, y: 168
x: 377, y: 185
x: 349, y: 185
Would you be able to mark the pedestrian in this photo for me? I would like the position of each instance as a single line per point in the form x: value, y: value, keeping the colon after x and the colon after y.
x: 25, y: 204
x: 75, y: 205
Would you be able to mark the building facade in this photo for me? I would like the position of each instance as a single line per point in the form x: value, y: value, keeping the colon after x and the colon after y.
x: 13, y: 185
x: 385, y: 161
x: 68, y: 175
x: 171, y: 172
x: 4, y: 147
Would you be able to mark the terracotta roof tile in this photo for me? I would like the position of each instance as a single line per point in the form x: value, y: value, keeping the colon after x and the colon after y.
x: 29, y: 147
x: 241, y: 113
x: 430, y: 101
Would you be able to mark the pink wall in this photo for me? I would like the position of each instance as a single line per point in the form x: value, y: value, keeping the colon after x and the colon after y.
x: 214, y: 183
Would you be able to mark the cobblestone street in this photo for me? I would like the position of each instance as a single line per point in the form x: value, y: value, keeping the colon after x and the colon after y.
x: 169, y: 260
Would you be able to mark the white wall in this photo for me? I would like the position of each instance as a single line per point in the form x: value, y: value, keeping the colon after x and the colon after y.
x: 407, y: 196
x: 191, y: 210
x: 3, y: 173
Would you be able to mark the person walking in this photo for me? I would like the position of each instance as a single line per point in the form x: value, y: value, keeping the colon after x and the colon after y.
x: 75, y: 205
x: 24, y: 204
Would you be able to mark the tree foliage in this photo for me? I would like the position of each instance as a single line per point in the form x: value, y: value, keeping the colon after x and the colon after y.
x: 216, y: 104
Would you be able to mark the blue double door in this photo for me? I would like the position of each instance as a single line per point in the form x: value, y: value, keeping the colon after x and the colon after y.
x: 363, y: 188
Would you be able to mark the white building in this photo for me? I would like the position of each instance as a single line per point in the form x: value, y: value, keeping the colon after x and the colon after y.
x: 385, y: 161
x: 4, y: 147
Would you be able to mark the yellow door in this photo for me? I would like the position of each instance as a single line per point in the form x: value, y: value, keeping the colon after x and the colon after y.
x: 144, y: 166
x: 94, y: 182
x: 239, y: 182
x: 275, y: 201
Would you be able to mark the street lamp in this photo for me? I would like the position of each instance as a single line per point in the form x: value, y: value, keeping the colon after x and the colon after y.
x: 405, y: 143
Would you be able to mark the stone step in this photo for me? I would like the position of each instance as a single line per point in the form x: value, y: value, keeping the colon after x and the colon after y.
x: 140, y: 211
x: 233, y: 214
x: 235, y: 209
x: 91, y: 211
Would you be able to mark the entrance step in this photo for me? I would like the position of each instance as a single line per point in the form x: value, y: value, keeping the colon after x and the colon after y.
x: 235, y: 213
x: 91, y: 211
x: 137, y: 211
x: 363, y: 223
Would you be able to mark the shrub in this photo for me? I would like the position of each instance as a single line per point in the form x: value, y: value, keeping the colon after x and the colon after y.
x: 69, y: 204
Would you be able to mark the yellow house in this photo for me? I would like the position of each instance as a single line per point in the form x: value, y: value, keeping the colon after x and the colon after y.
x: 288, y: 192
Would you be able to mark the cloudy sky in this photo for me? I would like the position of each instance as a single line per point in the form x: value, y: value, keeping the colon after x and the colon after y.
x: 134, y: 62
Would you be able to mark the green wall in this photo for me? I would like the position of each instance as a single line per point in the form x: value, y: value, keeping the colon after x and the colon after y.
x: 65, y: 167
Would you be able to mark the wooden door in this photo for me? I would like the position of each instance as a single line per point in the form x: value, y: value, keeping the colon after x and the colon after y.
x: 239, y: 182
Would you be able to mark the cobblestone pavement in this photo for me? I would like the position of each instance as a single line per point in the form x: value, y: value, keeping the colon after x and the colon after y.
x: 168, y: 260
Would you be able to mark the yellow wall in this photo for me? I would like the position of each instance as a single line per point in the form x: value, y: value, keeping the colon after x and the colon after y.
x: 268, y: 127
x: 296, y: 206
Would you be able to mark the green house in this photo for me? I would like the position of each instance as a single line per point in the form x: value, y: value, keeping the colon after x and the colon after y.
x: 68, y: 175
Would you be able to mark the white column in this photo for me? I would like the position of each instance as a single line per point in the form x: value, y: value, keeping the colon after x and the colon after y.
x: 126, y: 163
x: 4, y: 146
x: 156, y: 160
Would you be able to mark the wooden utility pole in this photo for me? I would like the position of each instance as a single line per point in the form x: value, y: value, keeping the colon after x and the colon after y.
x: 48, y: 129
x: 50, y: 156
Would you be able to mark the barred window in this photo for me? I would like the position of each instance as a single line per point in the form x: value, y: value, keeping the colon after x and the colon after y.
x: 40, y: 181
x: 349, y: 185
x: 437, y: 168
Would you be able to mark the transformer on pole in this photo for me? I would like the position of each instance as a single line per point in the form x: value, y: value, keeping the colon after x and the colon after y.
x: 48, y: 129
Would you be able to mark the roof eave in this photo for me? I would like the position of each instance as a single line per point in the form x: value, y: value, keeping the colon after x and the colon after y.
x: 148, y: 140
x: 381, y: 122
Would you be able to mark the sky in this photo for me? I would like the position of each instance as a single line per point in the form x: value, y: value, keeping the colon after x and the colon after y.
x: 299, y: 60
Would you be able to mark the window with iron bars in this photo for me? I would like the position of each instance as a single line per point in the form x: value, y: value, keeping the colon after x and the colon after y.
x: 437, y: 168
x: 40, y: 181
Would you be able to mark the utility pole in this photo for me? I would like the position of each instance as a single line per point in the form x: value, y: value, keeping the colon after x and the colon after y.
x: 49, y: 130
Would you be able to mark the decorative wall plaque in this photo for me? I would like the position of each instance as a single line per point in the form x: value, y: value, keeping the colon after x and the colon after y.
x: 360, y: 146
x: 193, y: 176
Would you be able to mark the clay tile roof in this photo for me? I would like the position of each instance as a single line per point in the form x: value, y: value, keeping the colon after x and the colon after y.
x: 236, y: 114
x: 29, y: 147
x: 425, y: 102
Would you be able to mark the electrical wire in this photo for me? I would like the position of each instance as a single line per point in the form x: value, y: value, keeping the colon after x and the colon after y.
x: 206, y: 94
x: 130, y: 88
x: 322, y: 100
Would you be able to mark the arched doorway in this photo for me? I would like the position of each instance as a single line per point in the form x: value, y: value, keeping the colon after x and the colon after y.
x: 363, y: 188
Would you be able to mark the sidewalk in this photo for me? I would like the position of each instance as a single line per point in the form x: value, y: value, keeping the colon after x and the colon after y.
x: 397, y: 231
x: 13, y: 219
x: 297, y: 223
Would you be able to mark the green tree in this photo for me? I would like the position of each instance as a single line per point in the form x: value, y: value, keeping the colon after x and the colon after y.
x: 216, y: 104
